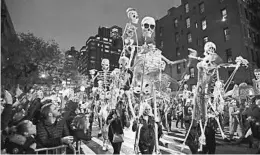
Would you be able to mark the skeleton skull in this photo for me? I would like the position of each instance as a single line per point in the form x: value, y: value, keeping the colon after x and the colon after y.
x: 148, y: 26
x: 209, y: 48
x: 105, y: 64
x: 132, y: 15
x: 257, y: 74
x: 123, y: 62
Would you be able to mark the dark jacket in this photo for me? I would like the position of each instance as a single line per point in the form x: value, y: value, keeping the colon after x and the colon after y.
x: 18, y: 144
x: 49, y: 135
x: 117, y: 125
x: 147, y: 134
x: 6, y: 116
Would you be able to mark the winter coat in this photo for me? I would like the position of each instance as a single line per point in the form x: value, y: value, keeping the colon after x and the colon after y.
x: 18, y: 144
x: 147, y: 134
x: 117, y: 125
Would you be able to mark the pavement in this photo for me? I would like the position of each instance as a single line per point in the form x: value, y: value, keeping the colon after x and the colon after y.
x: 174, y: 139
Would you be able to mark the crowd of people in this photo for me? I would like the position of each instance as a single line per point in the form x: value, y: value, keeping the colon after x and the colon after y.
x: 241, y: 117
x: 32, y: 121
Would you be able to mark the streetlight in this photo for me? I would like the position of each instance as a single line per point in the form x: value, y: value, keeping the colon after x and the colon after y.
x: 43, y: 75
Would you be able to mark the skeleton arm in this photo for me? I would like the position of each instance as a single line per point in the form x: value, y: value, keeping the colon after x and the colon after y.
x: 165, y: 59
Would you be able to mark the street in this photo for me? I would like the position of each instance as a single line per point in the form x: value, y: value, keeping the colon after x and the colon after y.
x: 174, y: 138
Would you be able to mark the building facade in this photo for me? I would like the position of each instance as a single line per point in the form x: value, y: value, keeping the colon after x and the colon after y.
x: 233, y: 25
x: 107, y: 44
x: 8, y: 33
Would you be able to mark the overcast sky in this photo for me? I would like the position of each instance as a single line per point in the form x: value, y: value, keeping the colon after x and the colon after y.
x: 72, y: 22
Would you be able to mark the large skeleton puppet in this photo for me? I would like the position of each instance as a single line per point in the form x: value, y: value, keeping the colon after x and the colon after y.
x: 130, y: 34
x: 121, y: 84
x: 208, y: 77
x: 103, y: 99
x: 148, y: 66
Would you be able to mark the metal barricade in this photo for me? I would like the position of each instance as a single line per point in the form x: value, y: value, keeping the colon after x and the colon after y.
x: 53, y: 150
x: 62, y: 149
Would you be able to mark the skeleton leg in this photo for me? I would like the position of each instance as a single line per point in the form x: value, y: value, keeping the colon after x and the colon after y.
x: 156, y: 150
x: 220, y: 128
x: 128, y: 94
x: 137, y: 138
x: 202, y: 137
x: 217, y: 119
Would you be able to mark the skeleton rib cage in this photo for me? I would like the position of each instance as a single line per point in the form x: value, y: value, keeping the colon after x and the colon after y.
x: 105, y: 77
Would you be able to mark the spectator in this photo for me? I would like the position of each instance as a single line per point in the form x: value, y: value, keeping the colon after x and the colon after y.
x: 179, y: 115
x: 236, y: 122
x: 22, y: 142
x: 118, y: 119
x: 52, y: 131
x: 192, y: 139
x: 147, y: 133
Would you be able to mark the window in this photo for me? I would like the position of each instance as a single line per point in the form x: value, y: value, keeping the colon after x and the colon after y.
x: 178, y: 69
x: 192, y: 72
x: 189, y: 37
x: 177, y: 38
x: 254, y: 56
x: 187, y: 8
x: 249, y: 35
x: 201, y: 6
x: 196, y: 25
x: 184, y: 64
x: 161, y: 31
x: 178, y: 53
x: 246, y: 13
x: 175, y: 23
x: 229, y: 55
x: 253, y: 37
x: 203, y: 24
x: 188, y: 22
x: 199, y: 42
x: 205, y: 39
x: 106, y: 46
x: 161, y: 44
x: 224, y: 14
x: 226, y: 34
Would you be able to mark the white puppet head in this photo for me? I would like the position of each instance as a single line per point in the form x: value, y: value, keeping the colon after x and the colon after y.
x: 132, y: 15
x: 105, y: 64
x: 148, y: 26
x: 123, y: 62
x: 257, y: 73
x: 209, y: 48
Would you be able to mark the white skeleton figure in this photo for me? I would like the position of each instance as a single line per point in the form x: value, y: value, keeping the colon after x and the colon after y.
x: 121, y: 82
x: 104, y: 75
x: 207, y: 64
x: 104, y: 81
x: 256, y: 81
x: 129, y: 33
